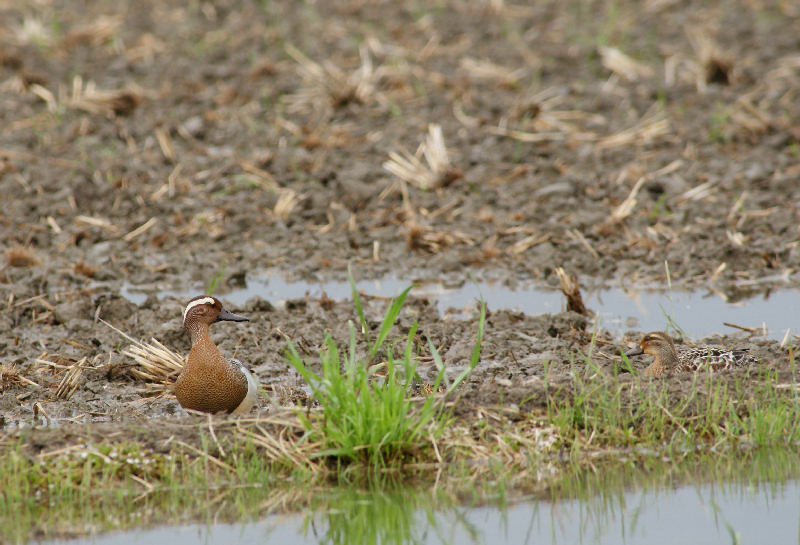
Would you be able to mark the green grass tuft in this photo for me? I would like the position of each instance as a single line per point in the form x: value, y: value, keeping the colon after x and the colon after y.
x: 371, y: 419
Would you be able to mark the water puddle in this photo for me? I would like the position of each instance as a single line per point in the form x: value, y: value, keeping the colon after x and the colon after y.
x: 691, y: 514
x: 698, y: 314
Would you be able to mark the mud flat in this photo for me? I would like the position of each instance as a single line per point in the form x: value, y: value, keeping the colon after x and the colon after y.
x: 165, y: 147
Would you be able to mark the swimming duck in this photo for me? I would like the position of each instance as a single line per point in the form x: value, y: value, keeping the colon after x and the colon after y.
x: 666, y: 359
x: 208, y: 382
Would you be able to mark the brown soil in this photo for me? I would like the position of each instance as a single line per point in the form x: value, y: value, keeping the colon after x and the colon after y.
x: 155, y: 145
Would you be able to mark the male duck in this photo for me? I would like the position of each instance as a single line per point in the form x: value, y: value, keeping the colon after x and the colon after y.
x: 208, y: 382
x: 666, y: 359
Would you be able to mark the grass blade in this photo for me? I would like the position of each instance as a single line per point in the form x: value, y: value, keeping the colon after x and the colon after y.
x: 357, y: 303
x: 476, y: 351
x: 388, y: 321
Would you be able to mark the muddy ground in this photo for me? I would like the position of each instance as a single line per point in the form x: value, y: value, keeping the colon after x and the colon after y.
x: 156, y: 145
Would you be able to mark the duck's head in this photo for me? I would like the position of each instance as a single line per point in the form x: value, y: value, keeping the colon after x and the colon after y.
x: 655, y: 343
x: 659, y: 345
x: 205, y: 309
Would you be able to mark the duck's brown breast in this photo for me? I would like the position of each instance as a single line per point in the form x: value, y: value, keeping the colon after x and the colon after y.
x: 208, y: 383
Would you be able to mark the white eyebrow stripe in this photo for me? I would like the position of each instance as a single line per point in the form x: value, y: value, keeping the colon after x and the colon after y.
x: 203, y: 301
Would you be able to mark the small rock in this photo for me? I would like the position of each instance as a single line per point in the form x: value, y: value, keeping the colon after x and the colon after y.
x: 80, y: 309
x: 115, y: 308
x: 194, y: 126
x: 258, y: 304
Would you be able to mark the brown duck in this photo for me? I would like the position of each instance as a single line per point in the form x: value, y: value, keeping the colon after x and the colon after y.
x: 668, y: 359
x: 208, y: 382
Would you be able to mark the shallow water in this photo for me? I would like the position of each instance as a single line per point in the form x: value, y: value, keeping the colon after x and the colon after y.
x: 699, y: 314
x: 706, y: 514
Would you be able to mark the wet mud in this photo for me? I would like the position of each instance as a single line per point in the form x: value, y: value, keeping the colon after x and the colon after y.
x: 160, y: 145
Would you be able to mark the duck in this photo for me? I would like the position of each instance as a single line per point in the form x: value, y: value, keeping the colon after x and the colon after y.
x: 208, y: 382
x: 668, y: 359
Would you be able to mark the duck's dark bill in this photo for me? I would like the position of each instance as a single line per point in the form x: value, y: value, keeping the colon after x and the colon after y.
x: 634, y: 351
x: 225, y: 315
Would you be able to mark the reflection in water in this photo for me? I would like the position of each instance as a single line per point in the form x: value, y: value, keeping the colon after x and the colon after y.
x: 705, y: 514
x: 612, y: 505
x: 389, y: 516
x: 698, y: 314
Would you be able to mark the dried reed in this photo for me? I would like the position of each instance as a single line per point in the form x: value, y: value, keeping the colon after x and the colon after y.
x: 154, y: 362
x: 115, y: 102
x: 328, y: 85
x: 21, y: 256
x: 438, y: 171
x: 572, y: 291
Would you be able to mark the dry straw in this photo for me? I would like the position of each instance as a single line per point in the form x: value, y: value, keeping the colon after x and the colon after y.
x: 10, y: 373
x: 571, y: 289
x: 623, y: 65
x: 91, y: 99
x: 154, y: 362
x: 328, y: 85
x: 286, y: 203
x: 21, y: 256
x: 72, y: 379
x: 435, y: 172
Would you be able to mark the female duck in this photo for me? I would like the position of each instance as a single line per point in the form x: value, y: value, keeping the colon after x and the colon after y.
x: 666, y: 359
